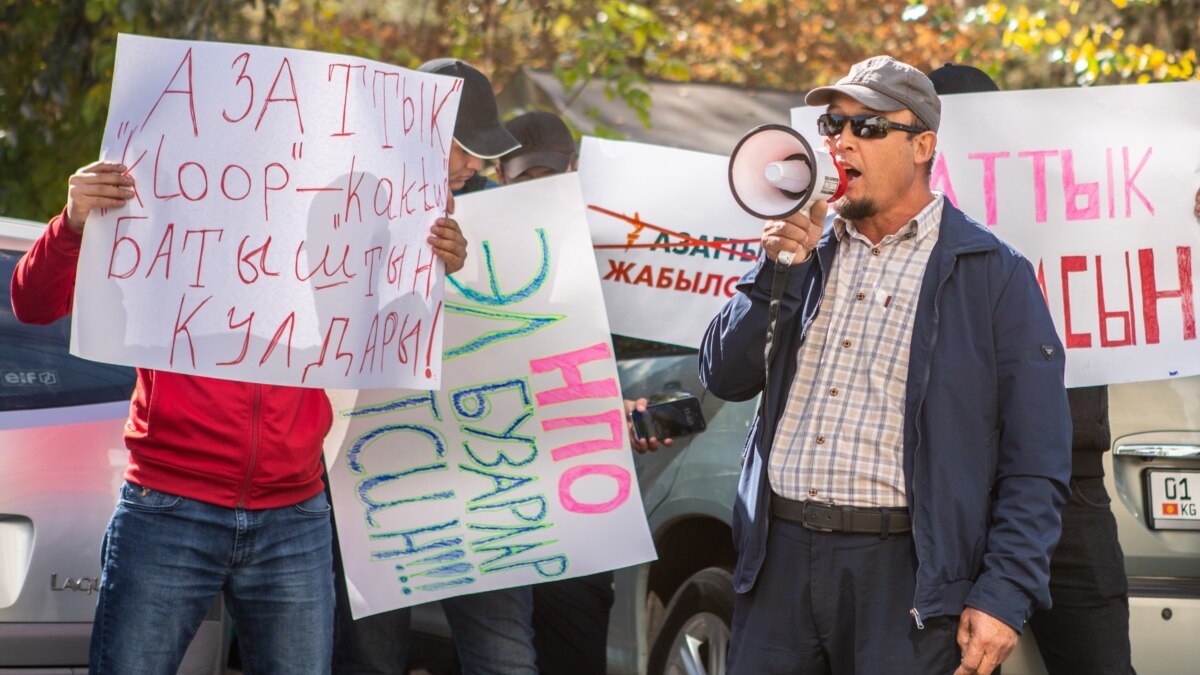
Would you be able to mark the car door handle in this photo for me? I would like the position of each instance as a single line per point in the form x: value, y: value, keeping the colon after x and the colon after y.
x: 1161, y: 450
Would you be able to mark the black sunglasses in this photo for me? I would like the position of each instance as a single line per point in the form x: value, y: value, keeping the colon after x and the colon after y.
x: 862, y: 126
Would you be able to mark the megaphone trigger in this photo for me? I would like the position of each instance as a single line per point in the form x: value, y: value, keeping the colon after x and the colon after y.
x: 775, y: 172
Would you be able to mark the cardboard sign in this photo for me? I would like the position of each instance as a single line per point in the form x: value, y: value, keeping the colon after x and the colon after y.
x: 670, y: 240
x: 513, y: 473
x: 278, y: 231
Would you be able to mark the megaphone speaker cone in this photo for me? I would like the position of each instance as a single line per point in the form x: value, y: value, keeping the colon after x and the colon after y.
x: 774, y: 172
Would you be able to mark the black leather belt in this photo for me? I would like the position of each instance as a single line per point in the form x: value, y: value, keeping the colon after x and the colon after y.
x: 834, y: 518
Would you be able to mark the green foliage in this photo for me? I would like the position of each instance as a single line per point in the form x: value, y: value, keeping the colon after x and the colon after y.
x: 54, y: 97
x: 616, y: 42
x: 55, y: 87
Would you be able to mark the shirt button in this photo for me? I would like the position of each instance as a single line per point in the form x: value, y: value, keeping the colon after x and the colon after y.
x: 820, y: 440
x: 875, y: 251
x: 860, y: 297
x: 812, y: 493
x: 846, y: 344
x: 833, y: 391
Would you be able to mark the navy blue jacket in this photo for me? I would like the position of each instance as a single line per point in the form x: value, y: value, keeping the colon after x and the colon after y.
x: 987, y: 431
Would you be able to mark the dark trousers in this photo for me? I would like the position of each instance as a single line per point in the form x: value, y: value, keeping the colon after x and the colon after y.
x: 828, y: 602
x: 373, y: 645
x: 492, y: 634
x: 1087, y: 630
x: 570, y: 625
x: 492, y: 631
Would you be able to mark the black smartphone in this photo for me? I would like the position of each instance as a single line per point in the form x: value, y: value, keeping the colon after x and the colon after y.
x: 678, y: 416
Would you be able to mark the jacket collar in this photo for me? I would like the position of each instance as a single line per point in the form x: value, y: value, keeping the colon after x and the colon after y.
x: 960, y: 234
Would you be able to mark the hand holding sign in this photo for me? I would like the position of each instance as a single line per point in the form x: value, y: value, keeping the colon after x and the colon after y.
x: 95, y: 186
x: 448, y: 244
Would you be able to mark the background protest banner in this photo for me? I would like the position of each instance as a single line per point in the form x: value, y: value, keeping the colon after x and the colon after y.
x: 519, y: 470
x: 278, y: 230
x: 670, y: 240
x: 1096, y: 187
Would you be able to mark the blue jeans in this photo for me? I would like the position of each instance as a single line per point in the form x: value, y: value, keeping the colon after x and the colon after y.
x: 165, y: 557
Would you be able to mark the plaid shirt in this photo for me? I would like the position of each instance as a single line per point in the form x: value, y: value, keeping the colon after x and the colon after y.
x: 841, y: 438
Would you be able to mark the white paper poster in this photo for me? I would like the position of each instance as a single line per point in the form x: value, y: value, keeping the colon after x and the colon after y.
x: 670, y: 240
x: 519, y: 471
x: 278, y: 230
x: 1096, y: 186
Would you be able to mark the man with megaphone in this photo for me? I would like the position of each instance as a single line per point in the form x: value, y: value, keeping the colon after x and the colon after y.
x: 902, y: 484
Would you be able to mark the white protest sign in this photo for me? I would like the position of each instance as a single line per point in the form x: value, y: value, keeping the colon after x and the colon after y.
x: 519, y: 471
x: 1096, y: 187
x: 278, y: 233
x: 670, y: 240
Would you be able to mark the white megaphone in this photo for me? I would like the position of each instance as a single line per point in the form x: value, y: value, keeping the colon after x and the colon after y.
x: 774, y: 172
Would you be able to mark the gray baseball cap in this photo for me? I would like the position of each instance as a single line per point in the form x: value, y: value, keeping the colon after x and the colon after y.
x: 885, y: 84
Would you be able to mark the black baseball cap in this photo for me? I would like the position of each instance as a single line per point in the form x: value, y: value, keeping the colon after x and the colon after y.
x: 477, y: 127
x: 955, y: 78
x: 545, y: 141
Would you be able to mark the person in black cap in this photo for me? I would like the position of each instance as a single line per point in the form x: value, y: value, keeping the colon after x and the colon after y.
x: 902, y: 483
x: 492, y: 630
x: 547, y: 148
x: 478, y: 134
x: 954, y: 78
x: 1087, y: 629
x: 570, y: 617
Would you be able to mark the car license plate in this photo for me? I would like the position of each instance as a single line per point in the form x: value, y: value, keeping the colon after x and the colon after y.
x: 1173, y: 499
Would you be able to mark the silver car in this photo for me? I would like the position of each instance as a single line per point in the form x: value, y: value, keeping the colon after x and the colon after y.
x: 62, y: 458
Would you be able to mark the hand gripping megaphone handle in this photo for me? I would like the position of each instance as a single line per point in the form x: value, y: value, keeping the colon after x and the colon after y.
x: 785, y: 258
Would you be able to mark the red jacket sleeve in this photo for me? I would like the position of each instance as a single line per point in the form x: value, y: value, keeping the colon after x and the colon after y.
x: 43, y: 283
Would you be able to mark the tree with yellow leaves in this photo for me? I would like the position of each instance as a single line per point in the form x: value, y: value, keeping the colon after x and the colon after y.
x: 1100, y: 42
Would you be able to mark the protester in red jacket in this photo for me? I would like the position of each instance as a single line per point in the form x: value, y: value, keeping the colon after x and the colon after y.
x: 223, y: 490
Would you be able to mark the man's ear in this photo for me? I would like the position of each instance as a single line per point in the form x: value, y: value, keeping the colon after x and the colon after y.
x: 926, y: 144
x: 500, y: 177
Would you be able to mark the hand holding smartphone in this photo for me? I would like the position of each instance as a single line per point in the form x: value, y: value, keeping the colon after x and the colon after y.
x: 673, y: 417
